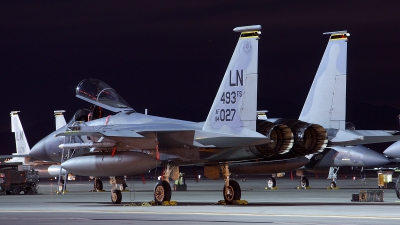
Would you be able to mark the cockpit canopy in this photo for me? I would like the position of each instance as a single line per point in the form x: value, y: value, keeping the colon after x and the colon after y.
x: 101, y: 94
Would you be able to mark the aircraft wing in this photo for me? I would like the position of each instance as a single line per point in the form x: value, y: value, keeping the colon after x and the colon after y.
x: 359, y: 137
x: 169, y: 133
x: 125, y: 130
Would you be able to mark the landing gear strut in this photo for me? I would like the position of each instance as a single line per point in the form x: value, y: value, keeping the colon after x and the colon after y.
x: 397, y: 187
x: 231, y: 191
x: 333, y: 170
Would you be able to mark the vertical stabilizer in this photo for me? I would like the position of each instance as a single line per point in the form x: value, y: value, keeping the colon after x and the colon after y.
x: 235, y: 105
x: 20, y: 139
x: 60, y: 120
x: 326, y: 101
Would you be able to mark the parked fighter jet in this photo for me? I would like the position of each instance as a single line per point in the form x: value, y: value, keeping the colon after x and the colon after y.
x: 22, y: 157
x: 131, y: 143
x: 326, y: 105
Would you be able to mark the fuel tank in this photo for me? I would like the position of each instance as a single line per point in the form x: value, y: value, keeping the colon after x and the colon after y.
x: 49, y: 171
x: 104, y: 164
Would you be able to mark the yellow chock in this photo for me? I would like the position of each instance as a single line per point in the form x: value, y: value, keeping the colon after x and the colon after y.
x: 335, y: 188
x: 169, y: 203
x: 164, y: 203
x: 273, y: 188
x: 235, y: 202
x: 299, y: 187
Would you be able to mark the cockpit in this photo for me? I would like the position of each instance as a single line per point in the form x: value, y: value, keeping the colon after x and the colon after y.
x: 101, y: 94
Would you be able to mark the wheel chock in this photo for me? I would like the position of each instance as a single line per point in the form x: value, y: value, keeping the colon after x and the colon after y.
x: 299, y: 187
x: 236, y: 202
x: 170, y: 203
x: 335, y: 188
x: 273, y: 188
x: 62, y: 192
x: 164, y: 203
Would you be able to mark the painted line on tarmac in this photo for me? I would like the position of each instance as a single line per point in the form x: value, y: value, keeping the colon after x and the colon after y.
x: 206, y: 213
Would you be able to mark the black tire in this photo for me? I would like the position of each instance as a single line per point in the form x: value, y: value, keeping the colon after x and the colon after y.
x: 232, y: 192
x: 333, y: 184
x: 397, y: 187
x: 304, y: 182
x: 98, y: 185
x: 162, y: 192
x: 271, y: 182
x: 16, y: 191
x: 27, y: 190
x: 116, y: 196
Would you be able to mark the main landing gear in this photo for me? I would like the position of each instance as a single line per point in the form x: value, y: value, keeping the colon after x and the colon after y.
x: 231, y: 191
x: 162, y: 190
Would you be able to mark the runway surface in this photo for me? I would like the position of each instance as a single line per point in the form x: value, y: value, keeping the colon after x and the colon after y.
x: 198, y: 205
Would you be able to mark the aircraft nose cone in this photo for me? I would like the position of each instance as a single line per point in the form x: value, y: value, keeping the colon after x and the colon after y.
x: 393, y: 150
x: 39, y: 151
x: 375, y: 159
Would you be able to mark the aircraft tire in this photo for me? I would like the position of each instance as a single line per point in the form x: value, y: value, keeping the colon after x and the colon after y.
x: 304, y: 183
x: 98, y: 185
x: 232, y: 192
x: 271, y: 182
x: 162, y: 192
x: 333, y: 184
x: 116, y: 196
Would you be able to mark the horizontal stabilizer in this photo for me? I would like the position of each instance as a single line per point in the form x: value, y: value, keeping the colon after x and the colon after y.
x: 226, y: 142
x: 14, y: 156
x: 360, y: 137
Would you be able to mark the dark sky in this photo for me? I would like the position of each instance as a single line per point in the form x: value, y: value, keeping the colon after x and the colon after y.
x: 170, y: 56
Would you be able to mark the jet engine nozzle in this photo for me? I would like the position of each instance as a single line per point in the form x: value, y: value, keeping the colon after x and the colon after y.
x: 308, y: 138
x: 281, y: 138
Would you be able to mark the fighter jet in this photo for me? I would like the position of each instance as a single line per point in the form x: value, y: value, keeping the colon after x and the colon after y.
x: 326, y: 105
x: 22, y: 158
x: 132, y: 143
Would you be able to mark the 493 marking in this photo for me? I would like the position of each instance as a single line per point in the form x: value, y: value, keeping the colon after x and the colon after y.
x: 225, y: 114
x: 230, y: 97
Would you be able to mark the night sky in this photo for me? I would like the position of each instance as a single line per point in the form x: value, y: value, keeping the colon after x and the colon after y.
x: 170, y: 56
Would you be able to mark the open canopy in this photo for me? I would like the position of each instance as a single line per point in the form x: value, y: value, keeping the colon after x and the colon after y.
x: 99, y: 93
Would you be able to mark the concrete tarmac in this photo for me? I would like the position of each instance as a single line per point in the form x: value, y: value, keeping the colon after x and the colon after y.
x: 198, y: 205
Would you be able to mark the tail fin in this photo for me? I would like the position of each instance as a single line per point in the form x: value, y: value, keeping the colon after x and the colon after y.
x: 60, y: 120
x: 20, y: 139
x: 326, y: 101
x: 235, y: 105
